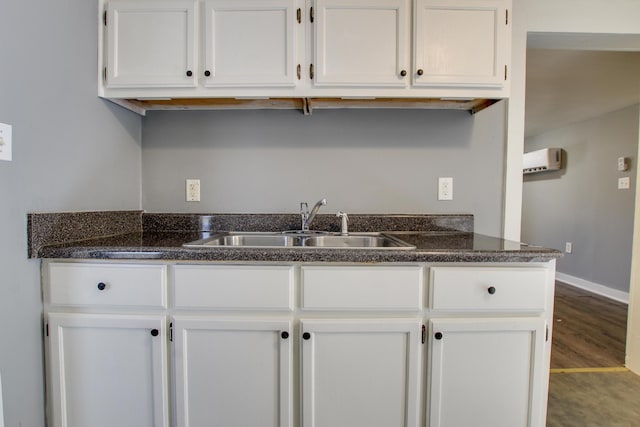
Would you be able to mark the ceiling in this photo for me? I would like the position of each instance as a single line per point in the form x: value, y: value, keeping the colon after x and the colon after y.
x: 572, y: 84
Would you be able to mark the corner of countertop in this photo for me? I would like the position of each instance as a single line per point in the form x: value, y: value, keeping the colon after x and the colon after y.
x: 50, y: 228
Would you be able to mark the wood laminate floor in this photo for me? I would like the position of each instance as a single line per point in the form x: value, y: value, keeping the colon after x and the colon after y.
x: 588, y: 386
x: 594, y: 399
x: 589, y: 330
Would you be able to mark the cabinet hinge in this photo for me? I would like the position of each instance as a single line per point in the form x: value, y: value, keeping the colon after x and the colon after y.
x: 171, y: 332
x: 506, y: 17
x: 46, y: 329
x: 424, y: 334
x: 299, y: 71
x: 546, y: 333
x: 311, y: 15
x: 299, y: 15
x: 104, y: 74
x: 104, y: 18
x: 505, y: 72
x: 311, y: 73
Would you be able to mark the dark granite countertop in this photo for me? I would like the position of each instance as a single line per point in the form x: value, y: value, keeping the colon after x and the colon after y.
x: 430, y: 247
x: 438, y: 238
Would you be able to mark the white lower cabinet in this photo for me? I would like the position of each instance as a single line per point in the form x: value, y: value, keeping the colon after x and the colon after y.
x: 107, y: 370
x: 233, y: 373
x: 486, y: 372
x: 489, y: 347
x: 297, y: 344
x: 360, y: 373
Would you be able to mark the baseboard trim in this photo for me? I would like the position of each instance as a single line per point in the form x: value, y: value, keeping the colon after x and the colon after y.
x: 596, y: 288
x: 587, y: 370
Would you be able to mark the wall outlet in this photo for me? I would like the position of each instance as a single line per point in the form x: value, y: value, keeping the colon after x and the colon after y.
x: 5, y: 142
x: 193, y: 190
x: 568, y: 247
x: 624, y: 183
x: 445, y: 188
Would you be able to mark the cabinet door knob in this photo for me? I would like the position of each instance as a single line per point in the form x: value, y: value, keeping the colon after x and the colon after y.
x: 189, y: 73
x: 403, y: 73
x: 438, y: 335
x: 102, y: 286
x: 420, y: 71
x: 491, y: 290
x: 207, y: 73
x: 306, y: 336
x: 284, y: 335
x: 154, y: 332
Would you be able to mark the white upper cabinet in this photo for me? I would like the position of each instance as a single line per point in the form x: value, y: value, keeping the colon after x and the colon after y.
x: 250, y: 43
x: 461, y: 43
x: 361, y: 44
x: 304, y: 49
x: 150, y: 44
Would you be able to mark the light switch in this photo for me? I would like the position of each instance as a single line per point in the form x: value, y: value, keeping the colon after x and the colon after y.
x: 5, y: 142
x: 623, y: 164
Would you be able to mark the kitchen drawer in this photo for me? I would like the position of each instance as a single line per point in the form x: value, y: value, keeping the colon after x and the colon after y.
x: 108, y: 285
x: 362, y: 288
x: 489, y: 289
x: 233, y: 287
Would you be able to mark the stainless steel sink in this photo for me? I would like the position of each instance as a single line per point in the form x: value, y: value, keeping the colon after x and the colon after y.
x: 379, y: 241
x: 249, y: 240
x: 301, y: 240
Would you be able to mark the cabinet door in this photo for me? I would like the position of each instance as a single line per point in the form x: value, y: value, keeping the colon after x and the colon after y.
x: 359, y: 373
x: 461, y: 43
x: 233, y: 373
x: 107, y: 370
x: 151, y: 44
x: 487, y: 372
x: 250, y: 43
x: 361, y: 44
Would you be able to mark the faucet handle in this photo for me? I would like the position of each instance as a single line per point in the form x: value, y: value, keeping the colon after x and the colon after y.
x: 304, y: 208
x: 344, y: 227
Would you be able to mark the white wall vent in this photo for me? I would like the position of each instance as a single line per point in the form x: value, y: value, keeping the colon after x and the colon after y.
x: 547, y: 159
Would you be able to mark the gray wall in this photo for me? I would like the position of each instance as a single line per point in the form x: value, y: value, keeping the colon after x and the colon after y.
x: 72, y: 151
x: 581, y: 203
x: 362, y: 161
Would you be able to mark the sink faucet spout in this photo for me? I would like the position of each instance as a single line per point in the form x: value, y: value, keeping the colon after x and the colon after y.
x: 307, y: 216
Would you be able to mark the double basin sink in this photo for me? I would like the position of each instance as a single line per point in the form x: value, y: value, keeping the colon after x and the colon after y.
x: 302, y: 240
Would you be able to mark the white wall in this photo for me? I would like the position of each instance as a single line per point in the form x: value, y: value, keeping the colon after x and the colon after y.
x: 362, y: 161
x: 581, y: 203
x: 592, y: 17
x: 72, y: 151
x: 583, y: 16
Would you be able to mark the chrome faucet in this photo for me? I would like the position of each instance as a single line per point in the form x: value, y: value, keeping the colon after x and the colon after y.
x: 307, y: 216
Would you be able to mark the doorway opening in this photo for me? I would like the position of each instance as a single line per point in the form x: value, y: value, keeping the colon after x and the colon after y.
x: 583, y: 96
